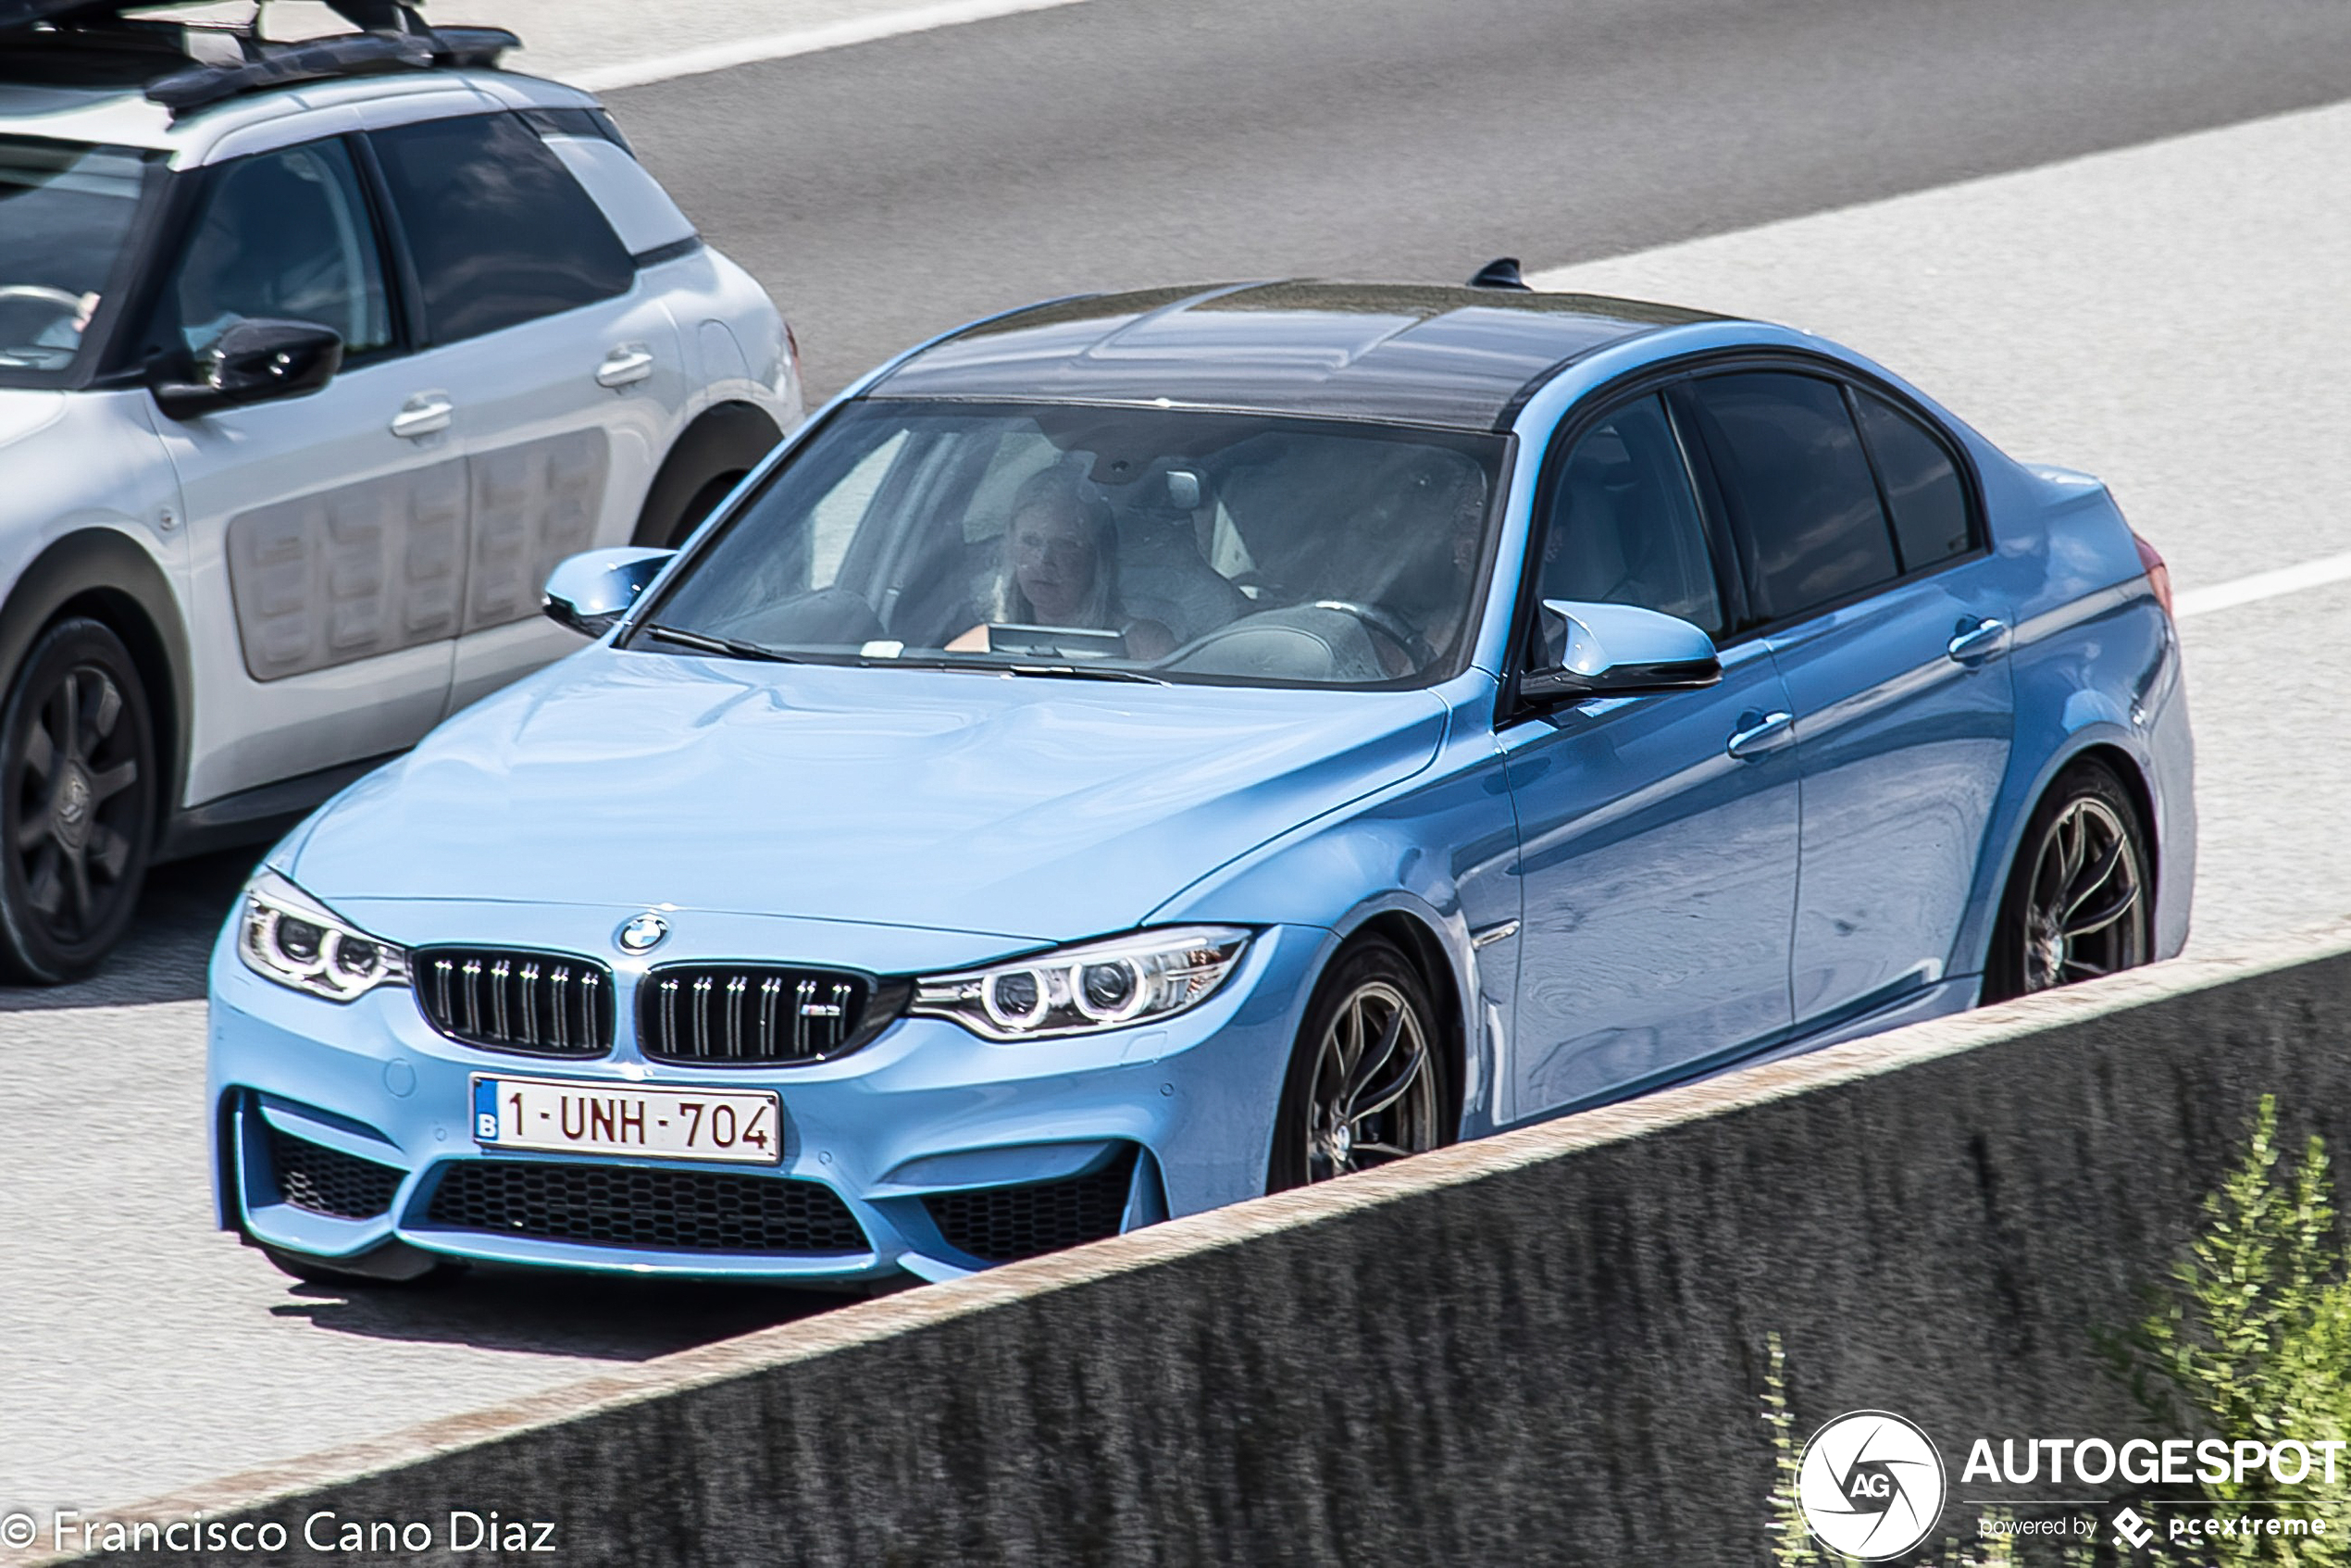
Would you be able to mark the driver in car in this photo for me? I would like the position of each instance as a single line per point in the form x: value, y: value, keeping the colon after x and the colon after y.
x: 1059, y: 569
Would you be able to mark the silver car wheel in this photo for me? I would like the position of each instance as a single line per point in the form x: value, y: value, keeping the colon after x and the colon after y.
x: 1374, y: 1092
x: 2086, y: 913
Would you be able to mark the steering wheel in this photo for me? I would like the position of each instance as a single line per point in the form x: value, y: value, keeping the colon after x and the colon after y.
x: 1386, y: 622
x: 69, y: 304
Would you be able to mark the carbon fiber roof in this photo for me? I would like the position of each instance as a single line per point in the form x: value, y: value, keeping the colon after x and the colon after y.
x: 1406, y: 352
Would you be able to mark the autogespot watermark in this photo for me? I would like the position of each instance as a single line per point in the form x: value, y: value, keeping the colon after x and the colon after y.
x: 1871, y: 1485
x: 322, y: 1532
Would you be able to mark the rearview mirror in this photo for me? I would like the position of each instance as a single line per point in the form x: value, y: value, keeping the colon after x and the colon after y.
x: 250, y: 362
x: 591, y: 591
x: 1619, y: 651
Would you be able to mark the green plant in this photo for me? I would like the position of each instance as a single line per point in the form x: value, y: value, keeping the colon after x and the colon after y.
x: 2252, y: 1339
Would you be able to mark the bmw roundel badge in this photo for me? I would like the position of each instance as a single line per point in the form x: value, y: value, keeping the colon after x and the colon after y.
x: 643, y: 933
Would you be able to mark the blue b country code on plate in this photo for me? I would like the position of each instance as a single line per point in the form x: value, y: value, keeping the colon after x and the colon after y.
x: 573, y: 1116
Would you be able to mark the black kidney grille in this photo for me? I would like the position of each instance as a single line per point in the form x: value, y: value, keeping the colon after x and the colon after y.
x: 328, y: 1181
x: 1001, y: 1224
x: 642, y: 1206
x: 722, y: 1014
x: 543, y: 1004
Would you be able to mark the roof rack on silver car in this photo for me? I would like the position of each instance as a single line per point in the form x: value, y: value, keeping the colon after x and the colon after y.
x: 230, y: 60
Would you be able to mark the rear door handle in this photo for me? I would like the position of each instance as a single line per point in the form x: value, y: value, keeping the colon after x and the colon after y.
x: 423, y: 415
x: 1760, y: 733
x: 1972, y: 645
x: 626, y: 363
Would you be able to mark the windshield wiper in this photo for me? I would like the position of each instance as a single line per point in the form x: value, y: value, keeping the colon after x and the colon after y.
x: 702, y: 642
x: 981, y: 666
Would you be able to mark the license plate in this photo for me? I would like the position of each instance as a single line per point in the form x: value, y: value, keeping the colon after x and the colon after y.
x: 743, y: 1126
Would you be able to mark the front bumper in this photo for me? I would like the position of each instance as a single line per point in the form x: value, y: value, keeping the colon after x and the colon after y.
x: 1180, y: 1112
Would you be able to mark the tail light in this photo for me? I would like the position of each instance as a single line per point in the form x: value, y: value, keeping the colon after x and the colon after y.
x: 2159, y: 574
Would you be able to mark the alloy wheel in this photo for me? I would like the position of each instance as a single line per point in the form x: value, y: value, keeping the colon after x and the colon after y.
x: 1373, y: 1096
x: 2085, y: 912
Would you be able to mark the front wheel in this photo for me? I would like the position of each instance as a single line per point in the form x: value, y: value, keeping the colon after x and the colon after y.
x: 78, y: 794
x: 1367, y: 1082
x: 2080, y: 899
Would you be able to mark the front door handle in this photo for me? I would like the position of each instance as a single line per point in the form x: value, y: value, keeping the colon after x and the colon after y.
x: 626, y: 363
x: 1972, y: 645
x: 1760, y: 733
x: 423, y: 415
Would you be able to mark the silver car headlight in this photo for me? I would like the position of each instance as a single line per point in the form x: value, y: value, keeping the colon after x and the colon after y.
x: 1093, y: 986
x: 285, y: 935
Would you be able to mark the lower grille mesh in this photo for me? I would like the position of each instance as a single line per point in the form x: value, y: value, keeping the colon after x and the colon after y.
x: 328, y: 1181
x: 1001, y: 1224
x: 641, y: 1206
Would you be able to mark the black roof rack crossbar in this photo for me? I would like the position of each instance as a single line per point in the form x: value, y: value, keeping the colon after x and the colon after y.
x: 318, y: 59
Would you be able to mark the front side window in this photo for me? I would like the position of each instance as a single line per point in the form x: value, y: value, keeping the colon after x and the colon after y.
x: 1175, y: 544
x: 283, y: 236
x: 1800, y: 489
x: 500, y: 231
x: 1622, y: 525
x: 67, y: 210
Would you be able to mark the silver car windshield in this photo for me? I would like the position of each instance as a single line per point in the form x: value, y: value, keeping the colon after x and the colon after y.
x: 1120, y: 542
x: 66, y: 214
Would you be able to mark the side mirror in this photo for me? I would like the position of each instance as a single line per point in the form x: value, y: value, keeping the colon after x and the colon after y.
x: 589, y: 592
x: 1619, y: 651
x: 250, y: 362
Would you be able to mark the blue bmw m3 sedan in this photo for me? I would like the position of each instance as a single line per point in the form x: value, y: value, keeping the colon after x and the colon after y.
x: 1140, y: 751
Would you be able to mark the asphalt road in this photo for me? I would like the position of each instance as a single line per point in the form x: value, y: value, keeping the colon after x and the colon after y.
x: 2147, y: 314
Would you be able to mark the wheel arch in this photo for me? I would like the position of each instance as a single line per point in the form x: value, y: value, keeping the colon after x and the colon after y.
x: 1418, y: 936
x: 105, y: 575
x: 2102, y: 744
x: 726, y: 438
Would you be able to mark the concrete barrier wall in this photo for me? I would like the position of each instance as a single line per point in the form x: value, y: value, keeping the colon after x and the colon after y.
x: 1543, y: 1348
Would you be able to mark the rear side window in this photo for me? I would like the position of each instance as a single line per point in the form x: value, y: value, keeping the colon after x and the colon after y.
x: 1800, y: 487
x: 1922, y: 488
x: 500, y: 231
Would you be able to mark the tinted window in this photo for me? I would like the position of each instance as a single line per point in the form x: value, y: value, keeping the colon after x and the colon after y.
x: 500, y: 231
x: 284, y: 235
x: 1800, y: 487
x: 1625, y: 526
x: 1928, y: 499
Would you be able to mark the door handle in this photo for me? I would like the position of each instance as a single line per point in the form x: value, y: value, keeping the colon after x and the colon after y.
x: 1760, y: 733
x: 626, y: 363
x: 423, y: 415
x: 1987, y: 639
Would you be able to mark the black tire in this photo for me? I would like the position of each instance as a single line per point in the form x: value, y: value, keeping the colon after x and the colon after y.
x: 2080, y: 900
x: 79, y: 783
x: 1412, y: 1100
x: 392, y: 1265
x: 669, y: 535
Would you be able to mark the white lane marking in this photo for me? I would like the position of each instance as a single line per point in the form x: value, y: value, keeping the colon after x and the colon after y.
x: 805, y: 40
x: 2261, y: 585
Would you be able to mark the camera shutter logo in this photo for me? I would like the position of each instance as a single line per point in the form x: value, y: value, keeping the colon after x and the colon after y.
x: 1871, y: 1485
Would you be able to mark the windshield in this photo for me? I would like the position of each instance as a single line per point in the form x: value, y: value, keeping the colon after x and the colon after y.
x: 66, y: 210
x: 1125, y: 543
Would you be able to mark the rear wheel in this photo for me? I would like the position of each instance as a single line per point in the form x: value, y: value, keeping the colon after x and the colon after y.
x: 78, y: 796
x: 2080, y: 900
x: 1366, y: 1081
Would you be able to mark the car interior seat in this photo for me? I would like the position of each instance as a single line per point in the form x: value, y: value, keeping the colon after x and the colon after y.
x: 1162, y: 575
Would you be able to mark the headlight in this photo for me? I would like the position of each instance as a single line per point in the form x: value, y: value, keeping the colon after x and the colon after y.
x: 285, y: 935
x: 1095, y: 986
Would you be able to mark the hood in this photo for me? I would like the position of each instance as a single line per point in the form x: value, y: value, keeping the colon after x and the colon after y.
x: 24, y: 411
x: 1036, y: 809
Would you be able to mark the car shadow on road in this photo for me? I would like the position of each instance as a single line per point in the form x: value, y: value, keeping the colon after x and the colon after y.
x: 624, y: 1320
x: 162, y: 957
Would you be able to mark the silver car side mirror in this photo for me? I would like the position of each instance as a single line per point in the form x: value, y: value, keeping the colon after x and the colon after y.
x: 589, y: 592
x: 1619, y: 651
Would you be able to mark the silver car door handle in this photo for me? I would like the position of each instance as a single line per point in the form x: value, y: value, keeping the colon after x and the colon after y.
x: 1986, y: 640
x: 1764, y: 734
x: 630, y: 362
x: 423, y: 415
